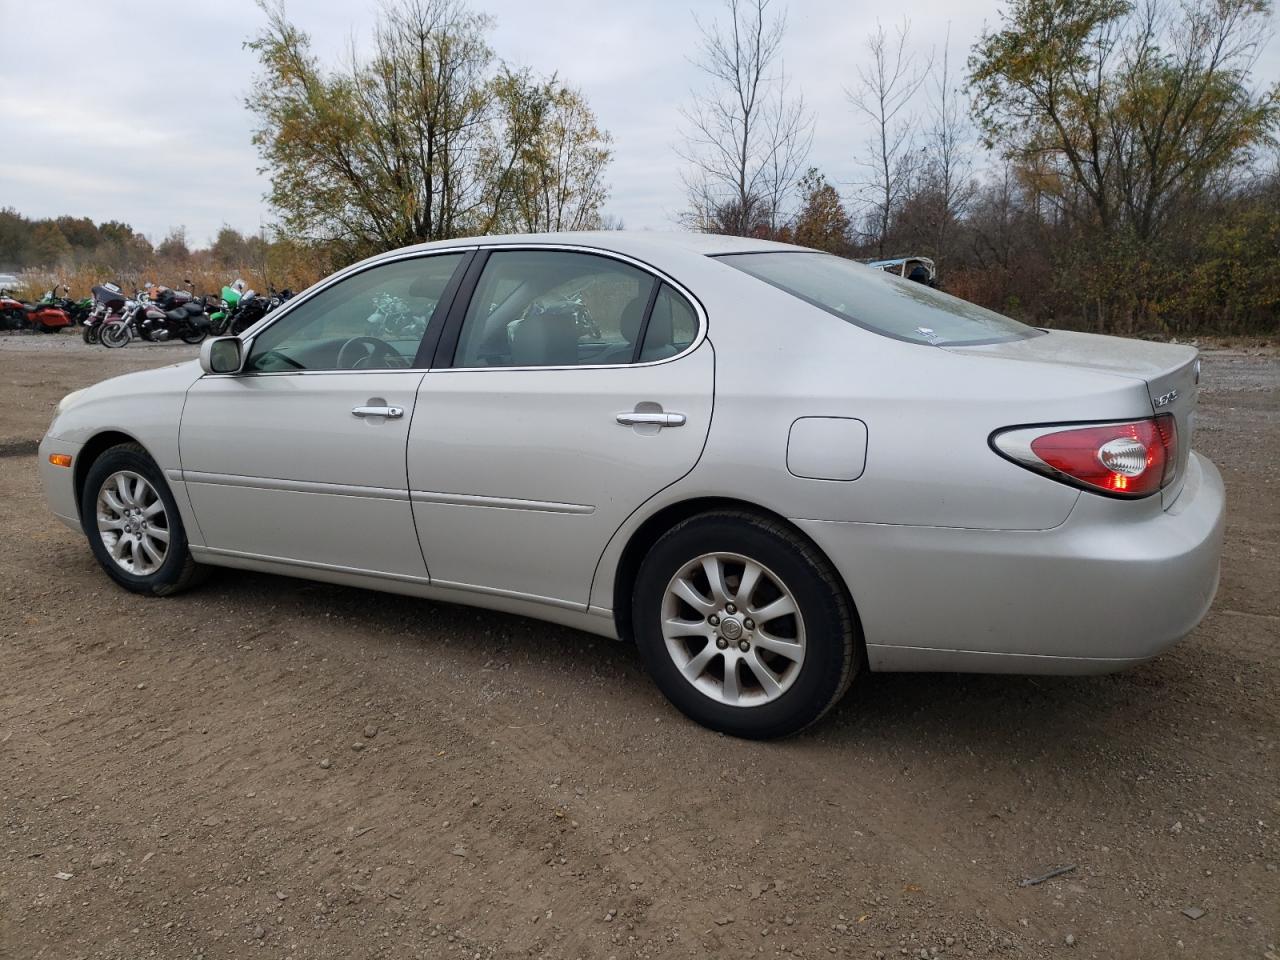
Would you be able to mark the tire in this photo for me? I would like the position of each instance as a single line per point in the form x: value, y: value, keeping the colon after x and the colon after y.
x: 114, y: 335
x: 810, y: 656
x: 195, y: 336
x: 173, y: 570
x: 89, y: 335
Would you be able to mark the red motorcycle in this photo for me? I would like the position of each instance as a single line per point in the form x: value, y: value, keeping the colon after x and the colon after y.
x: 40, y: 317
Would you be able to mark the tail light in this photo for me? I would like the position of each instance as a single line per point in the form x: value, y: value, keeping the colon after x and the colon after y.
x: 1133, y: 458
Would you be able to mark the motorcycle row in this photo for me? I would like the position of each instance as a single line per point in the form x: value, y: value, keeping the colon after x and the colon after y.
x: 156, y: 313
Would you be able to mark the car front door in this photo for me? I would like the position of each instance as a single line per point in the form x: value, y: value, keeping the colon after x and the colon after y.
x: 580, y: 386
x: 301, y: 456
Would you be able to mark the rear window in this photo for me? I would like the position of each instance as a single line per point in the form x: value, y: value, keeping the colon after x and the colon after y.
x: 871, y: 298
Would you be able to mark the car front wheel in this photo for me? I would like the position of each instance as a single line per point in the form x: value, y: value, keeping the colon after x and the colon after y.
x: 744, y: 625
x: 133, y: 525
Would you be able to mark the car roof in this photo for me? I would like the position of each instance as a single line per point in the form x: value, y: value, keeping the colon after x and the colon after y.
x: 634, y: 242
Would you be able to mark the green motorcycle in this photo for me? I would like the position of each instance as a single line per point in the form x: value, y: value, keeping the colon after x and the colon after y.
x: 220, y: 319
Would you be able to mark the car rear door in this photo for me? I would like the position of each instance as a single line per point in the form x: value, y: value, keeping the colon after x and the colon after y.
x: 570, y: 387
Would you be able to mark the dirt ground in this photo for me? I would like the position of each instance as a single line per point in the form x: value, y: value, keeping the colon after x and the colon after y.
x: 270, y: 768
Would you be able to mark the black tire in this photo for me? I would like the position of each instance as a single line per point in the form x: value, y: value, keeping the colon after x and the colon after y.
x: 833, y: 640
x: 178, y: 571
x: 89, y: 335
x: 114, y: 335
x: 195, y: 336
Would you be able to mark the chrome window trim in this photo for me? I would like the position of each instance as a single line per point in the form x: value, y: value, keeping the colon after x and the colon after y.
x: 641, y: 265
x: 248, y: 335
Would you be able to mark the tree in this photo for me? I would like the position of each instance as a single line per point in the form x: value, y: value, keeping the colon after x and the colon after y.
x: 174, y: 246
x: 14, y: 236
x: 1127, y: 109
x: 886, y: 85
x: 48, y: 247
x: 229, y: 249
x: 746, y: 137
x: 822, y: 222
x: 79, y: 231
x: 947, y: 160
x: 419, y: 141
x: 560, y: 172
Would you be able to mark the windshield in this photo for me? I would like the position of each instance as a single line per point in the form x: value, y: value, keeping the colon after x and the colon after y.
x: 871, y: 298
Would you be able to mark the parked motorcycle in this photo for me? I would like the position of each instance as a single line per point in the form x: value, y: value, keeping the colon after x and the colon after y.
x: 159, y: 314
x: 253, y: 307
x: 77, y: 310
x: 40, y: 317
x: 220, y: 319
x: 108, y: 306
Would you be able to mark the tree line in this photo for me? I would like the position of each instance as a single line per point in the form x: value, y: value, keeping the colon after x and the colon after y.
x: 1101, y: 164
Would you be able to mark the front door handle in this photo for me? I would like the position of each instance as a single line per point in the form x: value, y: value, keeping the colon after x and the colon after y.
x: 391, y: 413
x: 635, y: 417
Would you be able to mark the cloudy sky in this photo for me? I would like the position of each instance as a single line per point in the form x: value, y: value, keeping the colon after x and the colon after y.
x: 136, y: 113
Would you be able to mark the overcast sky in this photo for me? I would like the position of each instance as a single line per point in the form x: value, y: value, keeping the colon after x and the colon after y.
x: 133, y: 109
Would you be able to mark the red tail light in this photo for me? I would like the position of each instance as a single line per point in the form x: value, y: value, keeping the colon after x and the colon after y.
x: 1130, y: 459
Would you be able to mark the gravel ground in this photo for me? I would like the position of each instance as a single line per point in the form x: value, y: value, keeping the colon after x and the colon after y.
x: 266, y: 767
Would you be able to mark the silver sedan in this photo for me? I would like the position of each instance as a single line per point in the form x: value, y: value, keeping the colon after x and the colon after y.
x: 767, y: 466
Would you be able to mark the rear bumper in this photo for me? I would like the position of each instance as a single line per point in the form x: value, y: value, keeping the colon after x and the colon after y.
x: 1116, y: 584
x: 59, y: 482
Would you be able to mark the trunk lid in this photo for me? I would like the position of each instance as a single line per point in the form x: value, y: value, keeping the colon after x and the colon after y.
x: 1170, y: 372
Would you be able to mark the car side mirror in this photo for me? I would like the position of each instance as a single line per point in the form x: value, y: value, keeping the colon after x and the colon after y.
x: 222, y: 355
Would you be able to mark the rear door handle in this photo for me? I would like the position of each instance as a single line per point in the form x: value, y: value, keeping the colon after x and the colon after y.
x: 633, y: 418
x: 391, y: 413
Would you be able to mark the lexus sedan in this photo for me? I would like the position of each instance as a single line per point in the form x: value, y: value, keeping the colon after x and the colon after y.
x: 768, y: 467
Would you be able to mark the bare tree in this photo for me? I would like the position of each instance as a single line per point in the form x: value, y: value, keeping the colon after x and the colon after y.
x: 746, y: 136
x: 948, y: 155
x: 886, y: 86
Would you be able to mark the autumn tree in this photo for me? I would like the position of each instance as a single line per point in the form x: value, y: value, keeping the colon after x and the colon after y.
x: 559, y: 174
x: 1127, y: 109
x: 15, y: 235
x: 420, y: 140
x: 174, y: 245
x: 822, y: 222
x: 48, y: 247
x: 746, y: 136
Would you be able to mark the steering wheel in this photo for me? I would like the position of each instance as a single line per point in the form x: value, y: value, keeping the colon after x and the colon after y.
x: 372, y: 348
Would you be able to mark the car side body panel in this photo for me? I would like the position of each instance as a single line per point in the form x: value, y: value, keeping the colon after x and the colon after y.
x: 145, y: 406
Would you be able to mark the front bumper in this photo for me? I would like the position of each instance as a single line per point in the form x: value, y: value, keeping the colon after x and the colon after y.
x: 60, y: 482
x: 1117, y: 583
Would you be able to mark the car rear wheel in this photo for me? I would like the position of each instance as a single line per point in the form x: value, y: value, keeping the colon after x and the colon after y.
x: 133, y: 525
x: 744, y: 625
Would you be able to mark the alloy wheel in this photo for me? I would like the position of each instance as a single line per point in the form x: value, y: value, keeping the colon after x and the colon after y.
x: 733, y: 629
x: 133, y: 523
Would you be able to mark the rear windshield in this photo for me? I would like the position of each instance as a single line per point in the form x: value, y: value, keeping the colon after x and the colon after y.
x: 871, y: 298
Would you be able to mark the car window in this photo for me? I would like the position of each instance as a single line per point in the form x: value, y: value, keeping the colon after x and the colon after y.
x: 672, y: 326
x: 374, y: 320
x: 870, y: 298
x: 539, y: 308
